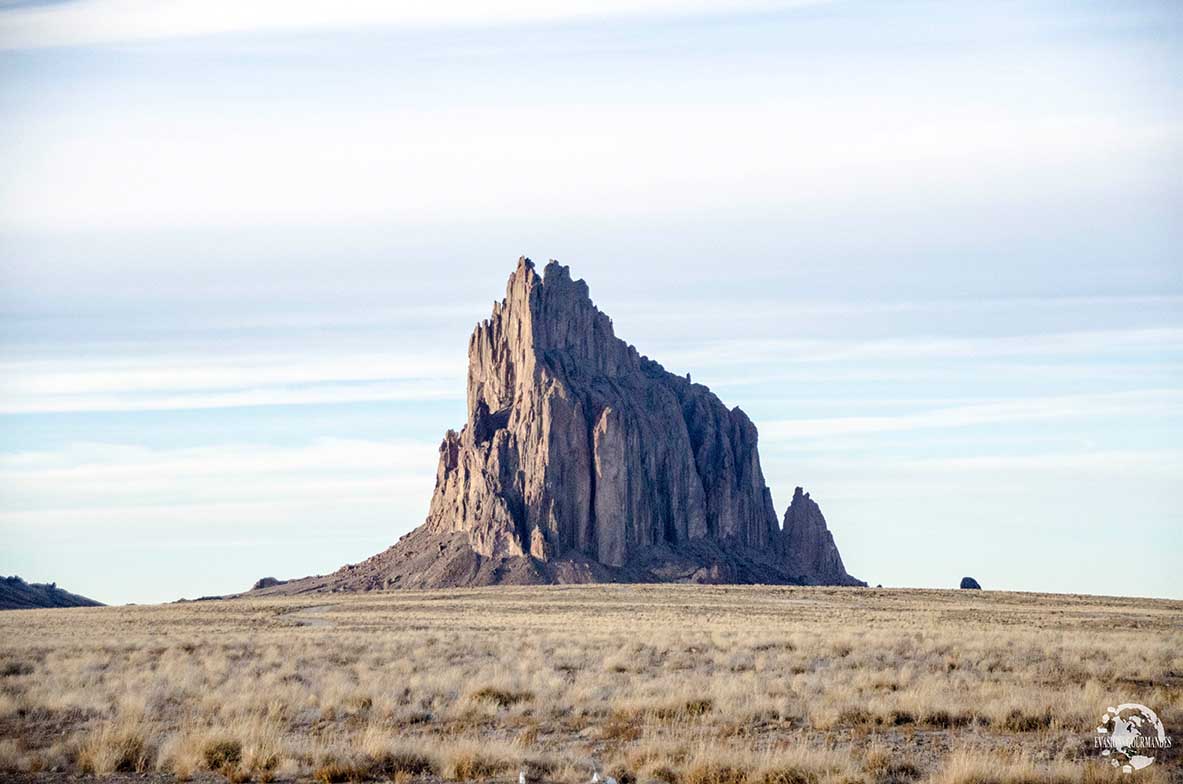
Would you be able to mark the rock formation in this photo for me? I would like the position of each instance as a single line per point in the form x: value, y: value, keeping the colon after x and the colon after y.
x: 16, y: 594
x: 970, y: 584
x: 808, y: 544
x: 582, y: 460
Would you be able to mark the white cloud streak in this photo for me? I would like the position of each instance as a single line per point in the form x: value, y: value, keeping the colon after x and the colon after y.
x: 496, y: 161
x: 138, y: 374
x: 206, y: 379
x: 1144, y: 402
x: 249, y: 398
x: 739, y: 351
x: 83, y: 22
x: 99, y: 484
x: 726, y: 311
x: 1125, y: 464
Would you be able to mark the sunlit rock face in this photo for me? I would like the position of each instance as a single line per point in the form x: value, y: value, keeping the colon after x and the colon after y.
x: 575, y: 440
x: 583, y: 461
x: 577, y: 444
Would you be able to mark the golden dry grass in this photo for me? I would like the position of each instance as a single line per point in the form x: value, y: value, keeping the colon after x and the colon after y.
x: 676, y: 684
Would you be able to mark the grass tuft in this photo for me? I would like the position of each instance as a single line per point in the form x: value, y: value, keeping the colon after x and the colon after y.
x: 502, y: 698
x: 116, y: 748
x: 221, y: 754
x: 713, y: 773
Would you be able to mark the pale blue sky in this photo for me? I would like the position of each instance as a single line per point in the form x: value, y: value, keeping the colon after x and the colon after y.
x: 932, y: 248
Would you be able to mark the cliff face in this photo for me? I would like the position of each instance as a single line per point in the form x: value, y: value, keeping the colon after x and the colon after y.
x: 574, y: 442
x: 581, y: 460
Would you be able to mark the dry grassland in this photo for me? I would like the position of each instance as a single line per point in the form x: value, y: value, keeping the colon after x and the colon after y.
x: 669, y: 684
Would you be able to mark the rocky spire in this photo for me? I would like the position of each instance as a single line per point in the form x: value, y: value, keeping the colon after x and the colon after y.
x: 575, y: 445
x: 582, y: 461
x: 808, y: 544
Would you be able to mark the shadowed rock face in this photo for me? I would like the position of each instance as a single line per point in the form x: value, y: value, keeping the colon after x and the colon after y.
x: 581, y: 460
x: 808, y: 544
x: 16, y: 594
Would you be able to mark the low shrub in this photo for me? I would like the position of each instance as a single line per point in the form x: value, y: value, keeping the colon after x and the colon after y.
x: 471, y: 762
x: 714, y: 773
x: 221, y: 753
x: 1017, y: 721
x: 115, y: 749
x: 333, y: 771
x: 502, y: 698
x: 403, y: 761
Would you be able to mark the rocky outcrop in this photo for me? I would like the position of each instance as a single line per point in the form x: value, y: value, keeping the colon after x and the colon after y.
x: 16, y: 594
x: 575, y: 442
x: 582, y: 460
x: 970, y: 584
x: 808, y: 544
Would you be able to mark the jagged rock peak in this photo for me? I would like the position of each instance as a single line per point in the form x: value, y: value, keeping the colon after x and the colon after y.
x: 581, y: 460
x: 554, y: 313
x: 574, y: 443
x: 809, y: 545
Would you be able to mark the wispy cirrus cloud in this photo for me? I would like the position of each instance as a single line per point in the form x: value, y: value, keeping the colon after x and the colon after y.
x: 193, y: 520
x: 1153, y: 402
x: 1064, y: 344
x: 207, y: 378
x: 80, y: 22
x: 93, y: 476
x: 320, y: 394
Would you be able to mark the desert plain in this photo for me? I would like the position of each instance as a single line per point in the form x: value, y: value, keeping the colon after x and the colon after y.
x: 674, y: 684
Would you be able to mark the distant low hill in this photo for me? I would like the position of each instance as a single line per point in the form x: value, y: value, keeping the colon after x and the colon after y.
x: 16, y: 594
